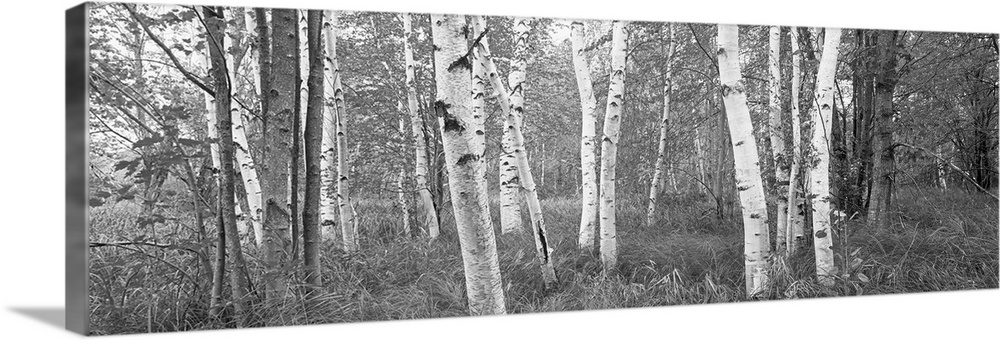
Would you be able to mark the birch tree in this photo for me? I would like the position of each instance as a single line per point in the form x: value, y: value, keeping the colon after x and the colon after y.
x: 510, y: 186
x: 244, y: 161
x: 795, y: 232
x: 588, y: 140
x: 427, y: 213
x: 216, y: 27
x: 328, y: 163
x: 453, y: 105
x: 513, y: 122
x: 756, y: 244
x: 609, y: 147
x: 777, y: 133
x: 479, y: 79
x: 348, y: 223
x: 658, y: 182
x: 820, y: 172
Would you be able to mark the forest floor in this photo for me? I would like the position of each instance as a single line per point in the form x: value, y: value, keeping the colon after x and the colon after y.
x: 937, y: 242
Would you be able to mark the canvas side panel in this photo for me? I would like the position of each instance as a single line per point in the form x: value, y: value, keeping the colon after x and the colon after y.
x: 77, y: 307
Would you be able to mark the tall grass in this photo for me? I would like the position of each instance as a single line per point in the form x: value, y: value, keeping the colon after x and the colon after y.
x: 938, y: 241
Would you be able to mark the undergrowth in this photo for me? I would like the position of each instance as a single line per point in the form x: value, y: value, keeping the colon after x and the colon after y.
x: 937, y: 241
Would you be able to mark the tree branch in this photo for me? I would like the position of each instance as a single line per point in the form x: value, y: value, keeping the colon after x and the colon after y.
x: 170, y: 54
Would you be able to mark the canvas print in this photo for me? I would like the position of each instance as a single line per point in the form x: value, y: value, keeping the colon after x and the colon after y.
x: 260, y: 167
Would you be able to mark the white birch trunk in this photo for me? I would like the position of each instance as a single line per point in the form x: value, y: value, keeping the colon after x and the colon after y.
x: 756, y: 243
x: 348, y: 224
x: 658, y: 182
x: 245, y: 162
x: 588, y: 141
x: 777, y: 138
x: 429, y: 216
x: 820, y: 173
x: 213, y: 134
x: 609, y: 147
x: 794, y: 229
x: 478, y: 107
x: 328, y: 171
x: 452, y: 73
x: 513, y: 121
x: 400, y: 178
x: 510, y: 186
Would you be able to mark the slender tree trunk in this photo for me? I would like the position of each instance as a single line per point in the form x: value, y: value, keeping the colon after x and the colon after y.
x: 348, y: 224
x: 400, y: 179
x: 656, y: 184
x: 296, y: 165
x: 588, y: 141
x: 277, y: 149
x: 264, y: 68
x: 794, y: 233
x: 313, y: 148
x: 863, y: 85
x: 247, y: 167
x: 513, y: 121
x: 510, y: 183
x: 479, y: 79
x: 328, y: 170
x: 756, y: 242
x: 820, y: 188
x: 428, y: 214
x: 884, y: 166
x: 452, y: 72
x: 239, y: 278
x: 778, y: 139
x: 609, y: 147
x: 721, y: 156
x: 700, y: 153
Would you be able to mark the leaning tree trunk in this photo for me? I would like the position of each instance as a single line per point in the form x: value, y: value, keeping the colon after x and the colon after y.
x: 404, y: 208
x: 348, y: 223
x: 428, y: 214
x: 277, y: 149
x: 588, y: 141
x: 245, y: 162
x: 658, y: 173
x: 513, y: 121
x: 609, y: 147
x: 452, y: 73
x: 820, y: 172
x: 313, y: 135
x: 884, y: 164
x: 794, y: 233
x: 510, y: 182
x: 216, y: 26
x: 479, y: 79
x: 778, y: 139
x: 756, y: 243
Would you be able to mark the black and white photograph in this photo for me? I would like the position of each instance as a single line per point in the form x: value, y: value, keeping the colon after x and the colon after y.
x: 256, y: 167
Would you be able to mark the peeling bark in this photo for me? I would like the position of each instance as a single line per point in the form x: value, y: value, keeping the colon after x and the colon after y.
x: 453, y: 105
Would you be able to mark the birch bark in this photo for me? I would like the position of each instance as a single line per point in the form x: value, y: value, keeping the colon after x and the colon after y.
x: 588, y: 140
x: 756, y: 241
x: 657, y: 182
x: 428, y: 214
x: 609, y: 147
x: 820, y: 172
x: 452, y: 73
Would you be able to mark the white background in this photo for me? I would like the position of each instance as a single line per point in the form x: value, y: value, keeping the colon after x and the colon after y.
x: 32, y: 186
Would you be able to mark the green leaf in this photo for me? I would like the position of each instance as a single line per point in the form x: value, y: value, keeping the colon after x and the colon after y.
x: 863, y: 278
x: 96, y: 202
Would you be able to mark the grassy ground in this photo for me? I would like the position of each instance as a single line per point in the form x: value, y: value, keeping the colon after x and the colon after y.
x: 938, y: 241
